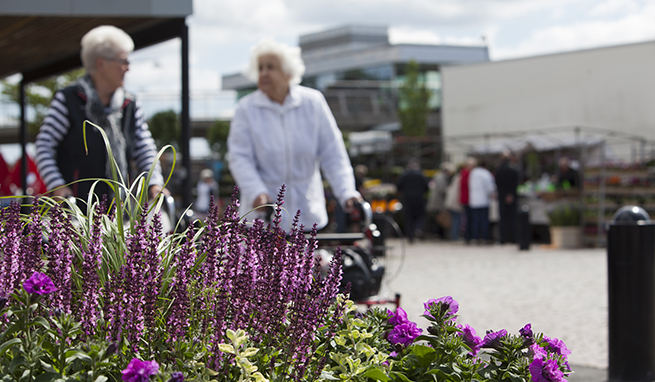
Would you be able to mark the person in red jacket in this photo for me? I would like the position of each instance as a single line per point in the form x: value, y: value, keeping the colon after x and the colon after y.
x: 464, y: 196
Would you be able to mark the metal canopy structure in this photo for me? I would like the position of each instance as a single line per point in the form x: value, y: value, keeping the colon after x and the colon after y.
x: 41, y: 38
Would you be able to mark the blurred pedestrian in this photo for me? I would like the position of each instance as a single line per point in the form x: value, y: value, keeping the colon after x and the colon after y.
x: 464, y: 196
x: 507, y: 181
x: 568, y: 177
x: 206, y: 188
x: 437, y: 197
x: 453, y: 205
x: 412, y: 185
x: 285, y: 134
x: 482, y: 188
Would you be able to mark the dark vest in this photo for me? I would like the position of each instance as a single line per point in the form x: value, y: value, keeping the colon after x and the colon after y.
x: 73, y: 161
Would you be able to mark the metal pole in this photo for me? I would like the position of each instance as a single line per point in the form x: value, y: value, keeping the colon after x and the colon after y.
x: 601, y: 196
x: 631, y: 296
x: 23, y: 137
x: 185, y: 119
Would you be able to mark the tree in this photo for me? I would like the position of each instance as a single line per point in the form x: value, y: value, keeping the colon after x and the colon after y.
x: 165, y: 128
x: 39, y: 94
x: 217, y: 137
x: 413, y: 102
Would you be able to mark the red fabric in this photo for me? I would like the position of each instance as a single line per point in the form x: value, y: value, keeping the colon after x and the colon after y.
x: 5, y: 177
x: 12, y: 179
x: 464, y: 187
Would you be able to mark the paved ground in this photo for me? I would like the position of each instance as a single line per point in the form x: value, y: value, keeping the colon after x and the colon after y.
x: 563, y: 293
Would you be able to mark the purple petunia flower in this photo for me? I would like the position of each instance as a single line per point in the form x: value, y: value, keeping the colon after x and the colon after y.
x: 404, y: 334
x: 176, y: 376
x: 398, y: 318
x: 492, y: 339
x: 447, y: 303
x: 39, y: 283
x: 140, y: 371
x: 526, y: 331
x: 557, y: 346
x: 546, y: 371
x: 471, y: 339
x: 537, y: 351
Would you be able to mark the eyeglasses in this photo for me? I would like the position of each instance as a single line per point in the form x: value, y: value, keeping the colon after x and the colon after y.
x: 122, y: 61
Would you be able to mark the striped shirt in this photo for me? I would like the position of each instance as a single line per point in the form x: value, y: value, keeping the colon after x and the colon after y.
x: 56, y: 126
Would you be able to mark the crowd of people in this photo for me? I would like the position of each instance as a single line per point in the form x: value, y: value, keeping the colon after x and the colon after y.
x: 465, y: 201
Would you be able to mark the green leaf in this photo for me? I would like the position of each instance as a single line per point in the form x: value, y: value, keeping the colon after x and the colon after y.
x: 18, y: 361
x: 425, y: 354
x: 39, y: 321
x: 400, y: 376
x: 45, y: 377
x: 376, y: 374
x: 72, y: 355
x: 226, y: 348
x: 7, y: 345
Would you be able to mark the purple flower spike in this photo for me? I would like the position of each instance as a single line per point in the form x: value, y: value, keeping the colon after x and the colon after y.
x: 404, y: 334
x: 471, y: 339
x: 557, y: 346
x: 39, y: 283
x: 492, y: 339
x: 140, y: 371
x: 448, y: 303
x: 546, y: 371
x: 398, y: 318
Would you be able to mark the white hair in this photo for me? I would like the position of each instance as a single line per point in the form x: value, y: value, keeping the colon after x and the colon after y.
x: 292, y: 63
x: 105, y: 41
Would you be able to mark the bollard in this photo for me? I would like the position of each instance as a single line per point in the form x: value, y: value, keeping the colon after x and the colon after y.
x: 631, y: 295
x: 523, y: 229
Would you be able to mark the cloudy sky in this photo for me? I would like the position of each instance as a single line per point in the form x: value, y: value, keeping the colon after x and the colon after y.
x: 222, y: 31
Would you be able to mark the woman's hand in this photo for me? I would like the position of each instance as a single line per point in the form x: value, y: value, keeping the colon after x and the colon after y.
x: 351, y: 203
x: 262, y: 199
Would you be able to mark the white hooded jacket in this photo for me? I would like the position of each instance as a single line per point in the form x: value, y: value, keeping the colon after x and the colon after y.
x: 271, y: 144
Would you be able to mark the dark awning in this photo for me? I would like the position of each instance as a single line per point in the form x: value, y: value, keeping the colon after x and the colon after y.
x: 41, y: 38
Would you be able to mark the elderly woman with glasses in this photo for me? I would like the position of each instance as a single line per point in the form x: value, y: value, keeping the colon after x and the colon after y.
x: 100, y: 98
x: 285, y: 134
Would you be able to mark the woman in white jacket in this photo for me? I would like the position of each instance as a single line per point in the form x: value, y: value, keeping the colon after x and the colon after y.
x: 285, y: 134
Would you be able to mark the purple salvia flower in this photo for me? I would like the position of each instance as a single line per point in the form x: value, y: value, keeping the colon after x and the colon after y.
x: 471, y: 339
x: 60, y: 259
x: 91, y: 262
x: 30, y: 247
x: 546, y: 371
x: 10, y: 235
x: 136, y: 278
x: 152, y: 282
x: 39, y: 283
x: 492, y: 339
x: 178, y: 317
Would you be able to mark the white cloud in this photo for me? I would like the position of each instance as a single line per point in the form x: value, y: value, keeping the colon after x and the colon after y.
x: 635, y: 27
x: 612, y: 8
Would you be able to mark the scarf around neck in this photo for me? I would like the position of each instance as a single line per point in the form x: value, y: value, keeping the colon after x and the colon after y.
x: 109, y: 118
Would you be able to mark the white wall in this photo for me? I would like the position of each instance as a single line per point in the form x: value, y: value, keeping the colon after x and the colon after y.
x: 610, y: 88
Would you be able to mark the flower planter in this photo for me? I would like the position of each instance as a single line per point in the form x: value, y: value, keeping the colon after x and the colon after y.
x: 566, y: 237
